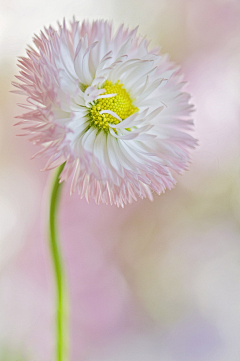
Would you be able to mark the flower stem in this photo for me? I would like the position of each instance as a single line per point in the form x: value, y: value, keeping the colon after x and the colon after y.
x: 61, y: 289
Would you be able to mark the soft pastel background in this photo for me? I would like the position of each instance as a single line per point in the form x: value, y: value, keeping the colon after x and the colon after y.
x: 154, y: 281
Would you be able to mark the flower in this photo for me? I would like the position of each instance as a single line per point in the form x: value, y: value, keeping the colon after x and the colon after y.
x: 107, y: 106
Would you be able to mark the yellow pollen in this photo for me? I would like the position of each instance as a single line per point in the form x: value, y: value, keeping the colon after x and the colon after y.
x: 121, y: 104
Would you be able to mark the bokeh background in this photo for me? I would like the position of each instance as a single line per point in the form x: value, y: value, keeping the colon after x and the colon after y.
x: 153, y: 281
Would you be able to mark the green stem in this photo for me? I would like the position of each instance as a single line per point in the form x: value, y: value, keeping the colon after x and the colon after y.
x: 61, y: 290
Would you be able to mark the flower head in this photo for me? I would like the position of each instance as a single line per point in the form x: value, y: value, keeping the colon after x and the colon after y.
x: 107, y: 106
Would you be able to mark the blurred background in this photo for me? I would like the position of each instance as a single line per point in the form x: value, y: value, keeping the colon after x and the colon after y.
x: 155, y: 281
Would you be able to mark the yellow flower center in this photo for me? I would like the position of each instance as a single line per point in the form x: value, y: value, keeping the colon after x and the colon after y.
x: 120, y: 104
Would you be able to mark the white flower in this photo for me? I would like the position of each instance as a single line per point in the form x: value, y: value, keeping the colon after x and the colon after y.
x: 107, y: 106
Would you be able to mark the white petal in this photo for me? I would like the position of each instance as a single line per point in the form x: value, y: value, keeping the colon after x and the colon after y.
x: 98, y: 81
x: 106, y: 96
x: 149, y: 90
x: 124, y: 49
x: 125, y: 123
x: 112, y: 144
x: 146, y: 136
x: 129, y: 136
x: 81, y: 50
x: 155, y: 113
x: 88, y: 139
x: 141, y: 69
x: 111, y: 113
